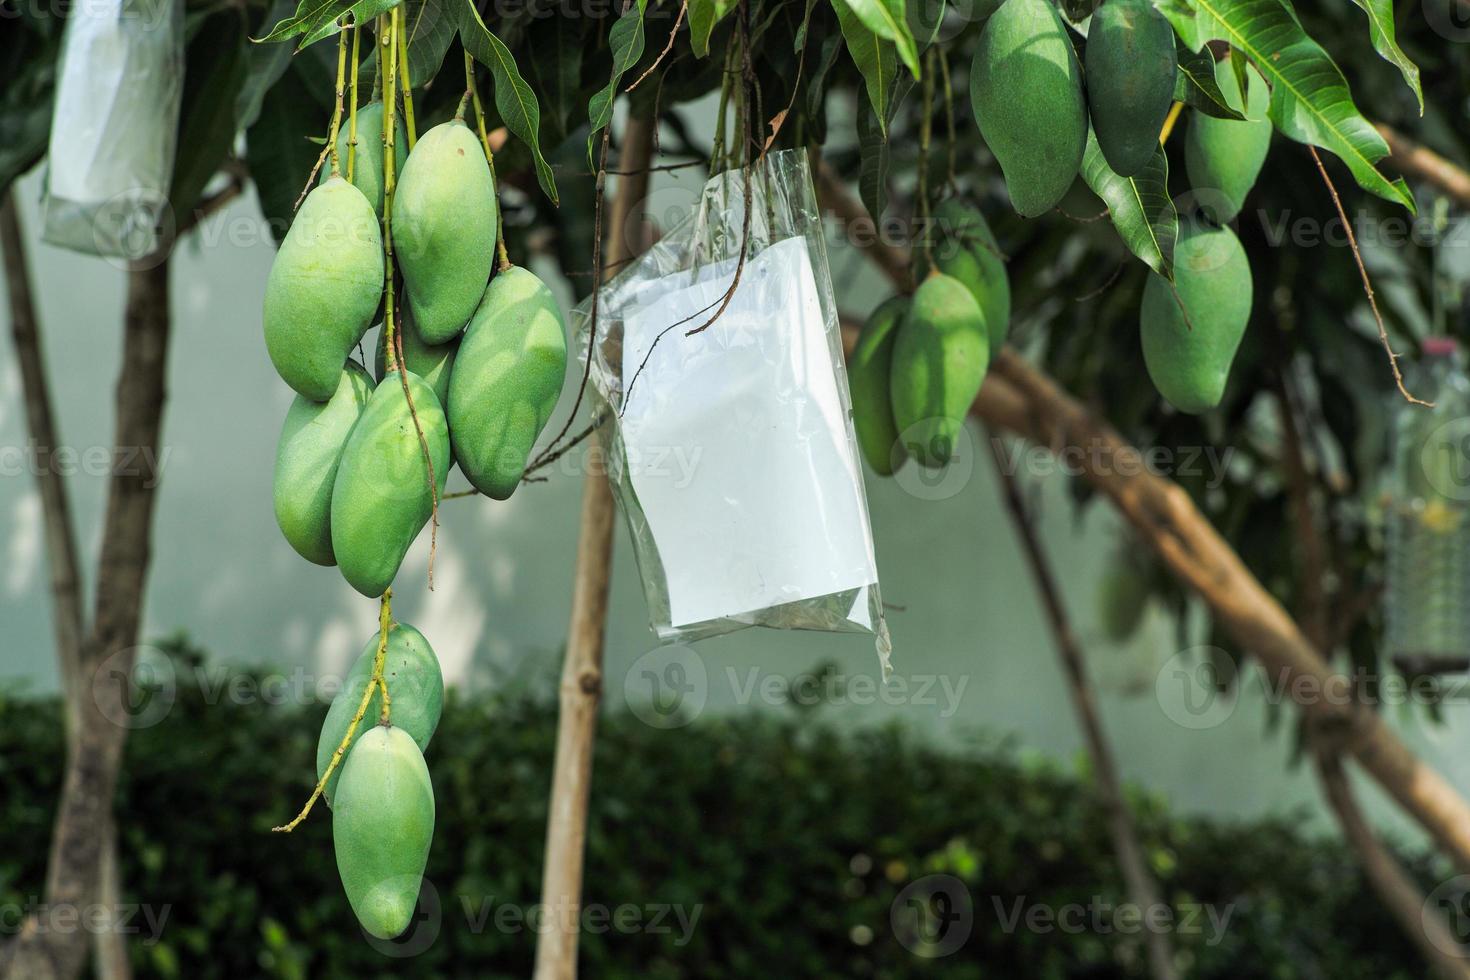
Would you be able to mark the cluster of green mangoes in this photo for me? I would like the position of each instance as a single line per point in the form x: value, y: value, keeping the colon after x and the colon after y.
x: 919, y: 361
x: 381, y: 797
x: 1027, y: 92
x: 483, y: 358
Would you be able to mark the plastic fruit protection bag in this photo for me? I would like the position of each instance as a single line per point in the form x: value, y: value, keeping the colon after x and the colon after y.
x: 113, y: 128
x: 730, y: 450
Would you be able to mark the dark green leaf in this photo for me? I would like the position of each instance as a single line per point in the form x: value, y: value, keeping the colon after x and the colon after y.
x: 1381, y: 33
x: 887, y: 20
x: 279, y: 151
x: 626, y: 41
x: 873, y: 162
x: 1139, y: 206
x: 514, y: 99
x: 1195, y: 84
x: 703, y: 16
x: 874, y: 58
x: 214, y: 73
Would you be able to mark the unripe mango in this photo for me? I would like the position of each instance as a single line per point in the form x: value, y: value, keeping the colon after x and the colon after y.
x: 1189, y: 362
x: 967, y: 250
x: 310, y: 447
x: 415, y: 689
x: 381, y: 498
x: 939, y: 360
x: 506, y: 381
x: 382, y: 826
x: 868, y: 373
x: 1026, y: 92
x: 1223, y: 157
x: 324, y: 285
x: 1130, y: 81
x: 444, y: 224
x: 367, y: 161
x: 432, y: 362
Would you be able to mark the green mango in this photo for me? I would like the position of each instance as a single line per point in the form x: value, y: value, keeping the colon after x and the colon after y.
x: 1189, y: 362
x: 967, y: 249
x: 382, y: 826
x: 432, y: 362
x: 381, y: 498
x: 868, y: 373
x: 1130, y: 81
x: 939, y: 359
x: 1223, y: 157
x: 324, y: 285
x: 367, y: 161
x: 444, y: 225
x: 1026, y: 92
x: 307, y: 454
x: 415, y: 685
x: 506, y: 381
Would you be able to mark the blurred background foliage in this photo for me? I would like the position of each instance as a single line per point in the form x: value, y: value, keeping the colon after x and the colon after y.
x: 790, y: 841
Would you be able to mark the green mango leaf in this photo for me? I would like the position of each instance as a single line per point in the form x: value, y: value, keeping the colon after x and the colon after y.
x: 1381, y: 33
x: 514, y: 99
x: 626, y: 41
x: 886, y: 19
x: 1310, y: 100
x: 872, y: 162
x: 431, y: 28
x: 703, y: 16
x: 309, y: 16
x: 1195, y: 84
x: 874, y: 58
x: 1139, y: 206
x: 360, y: 12
x: 214, y: 73
x: 798, y: 43
x: 277, y: 150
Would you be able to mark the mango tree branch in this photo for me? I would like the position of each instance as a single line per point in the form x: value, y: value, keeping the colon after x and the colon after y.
x: 1143, y: 890
x: 1020, y: 399
x: 581, y: 679
x: 1416, y: 160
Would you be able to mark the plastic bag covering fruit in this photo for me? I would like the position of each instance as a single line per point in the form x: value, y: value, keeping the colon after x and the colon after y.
x: 1189, y: 362
x: 382, y: 826
x: 367, y: 159
x: 939, y: 360
x: 506, y: 381
x: 1223, y: 157
x: 967, y: 249
x: 444, y: 225
x: 310, y: 447
x: 381, y: 498
x: 868, y: 373
x: 432, y: 362
x: 415, y: 685
x: 1130, y: 81
x: 323, y: 288
x: 1026, y: 92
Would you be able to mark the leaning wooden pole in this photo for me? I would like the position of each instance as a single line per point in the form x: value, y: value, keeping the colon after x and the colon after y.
x: 581, y: 678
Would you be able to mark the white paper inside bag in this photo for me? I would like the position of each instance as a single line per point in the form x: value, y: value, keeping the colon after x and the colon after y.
x: 737, y: 442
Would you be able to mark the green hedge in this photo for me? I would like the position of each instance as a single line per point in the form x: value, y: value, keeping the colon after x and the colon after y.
x: 792, y: 841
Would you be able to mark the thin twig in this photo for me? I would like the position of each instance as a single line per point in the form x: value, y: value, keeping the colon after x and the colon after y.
x: 474, y: 94
x: 678, y: 22
x: 337, y: 105
x: 1347, y: 227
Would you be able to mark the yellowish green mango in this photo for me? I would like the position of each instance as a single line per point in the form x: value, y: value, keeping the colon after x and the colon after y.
x: 1189, y: 360
x: 382, y: 826
x: 506, y: 380
x: 868, y: 373
x: 323, y: 288
x: 312, y: 439
x: 367, y: 160
x: 1223, y: 157
x: 415, y: 689
x: 1130, y: 81
x: 444, y: 225
x: 381, y: 498
x: 432, y: 362
x: 939, y: 360
x: 1026, y: 93
x: 966, y: 249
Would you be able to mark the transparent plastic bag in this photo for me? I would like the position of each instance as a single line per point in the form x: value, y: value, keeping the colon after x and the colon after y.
x: 731, y: 452
x: 114, y: 126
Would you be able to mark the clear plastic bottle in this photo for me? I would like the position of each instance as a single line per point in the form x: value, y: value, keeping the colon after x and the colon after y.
x: 1428, y: 520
